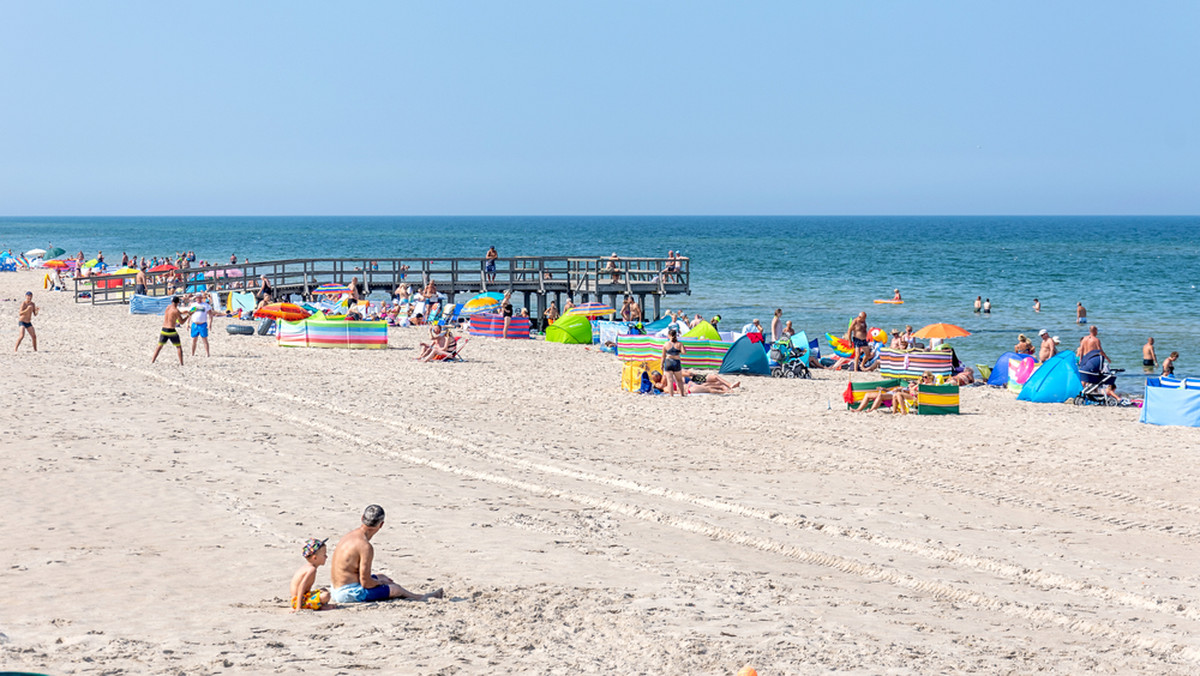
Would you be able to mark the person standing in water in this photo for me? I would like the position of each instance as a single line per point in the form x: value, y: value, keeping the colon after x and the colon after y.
x: 987, y: 306
x: 1080, y: 313
x: 1037, y: 305
x: 1149, y: 359
x: 978, y: 304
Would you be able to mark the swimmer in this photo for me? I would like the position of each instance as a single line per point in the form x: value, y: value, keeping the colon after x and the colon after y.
x: 1080, y: 314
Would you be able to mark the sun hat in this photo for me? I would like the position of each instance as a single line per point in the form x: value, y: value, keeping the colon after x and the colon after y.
x: 312, y: 546
x: 1056, y: 340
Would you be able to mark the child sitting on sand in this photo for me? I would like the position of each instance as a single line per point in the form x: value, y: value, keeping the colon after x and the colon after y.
x: 303, y: 595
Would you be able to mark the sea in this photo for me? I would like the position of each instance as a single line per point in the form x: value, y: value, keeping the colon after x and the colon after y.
x: 1135, y: 275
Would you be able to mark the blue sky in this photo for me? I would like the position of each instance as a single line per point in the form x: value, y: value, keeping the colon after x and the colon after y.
x: 599, y: 108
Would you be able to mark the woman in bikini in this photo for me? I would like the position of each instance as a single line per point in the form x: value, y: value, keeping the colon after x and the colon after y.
x: 672, y: 361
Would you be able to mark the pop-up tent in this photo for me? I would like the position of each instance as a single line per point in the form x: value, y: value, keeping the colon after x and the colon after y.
x: 570, y: 329
x: 1055, y: 381
x: 703, y: 330
x: 999, y: 376
x: 747, y: 357
x: 658, y: 324
x: 1172, y: 401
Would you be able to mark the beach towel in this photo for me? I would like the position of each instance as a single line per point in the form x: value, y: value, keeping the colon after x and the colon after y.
x: 148, y: 305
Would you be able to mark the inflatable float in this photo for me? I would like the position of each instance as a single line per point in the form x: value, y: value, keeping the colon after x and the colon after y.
x: 844, y: 348
x: 240, y: 330
x: 889, y: 301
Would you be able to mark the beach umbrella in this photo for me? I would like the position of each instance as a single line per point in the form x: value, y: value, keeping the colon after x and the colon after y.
x: 285, y: 311
x: 54, y: 252
x: 942, y: 331
x: 592, y: 310
x: 35, y: 253
x: 479, y: 305
x: 231, y: 272
x: 124, y: 271
x: 162, y: 267
x: 57, y: 265
x: 332, y: 289
x: 92, y: 263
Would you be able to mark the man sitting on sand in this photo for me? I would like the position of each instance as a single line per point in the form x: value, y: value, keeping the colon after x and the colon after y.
x: 350, y: 569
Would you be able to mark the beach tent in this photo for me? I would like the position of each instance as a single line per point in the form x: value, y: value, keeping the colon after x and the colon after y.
x: 609, y: 332
x: 703, y: 330
x: 658, y: 324
x: 1172, y: 401
x: 570, y: 329
x: 698, y: 353
x: 746, y: 357
x: 241, y: 300
x: 999, y: 376
x: 1055, y: 381
x: 492, y: 326
x: 635, y: 376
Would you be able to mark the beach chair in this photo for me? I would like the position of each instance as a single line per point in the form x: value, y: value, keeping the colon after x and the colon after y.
x: 456, y: 349
x: 450, y: 316
x: 855, y: 392
x: 937, y: 400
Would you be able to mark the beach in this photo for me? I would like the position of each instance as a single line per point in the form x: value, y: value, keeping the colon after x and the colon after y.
x: 153, y: 515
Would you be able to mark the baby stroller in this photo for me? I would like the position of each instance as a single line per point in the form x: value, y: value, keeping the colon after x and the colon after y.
x: 791, y: 361
x: 1098, y: 381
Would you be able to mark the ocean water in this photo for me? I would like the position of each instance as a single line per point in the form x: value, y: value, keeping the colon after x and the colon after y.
x: 1137, y: 276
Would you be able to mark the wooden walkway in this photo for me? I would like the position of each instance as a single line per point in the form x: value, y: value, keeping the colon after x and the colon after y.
x: 533, y: 278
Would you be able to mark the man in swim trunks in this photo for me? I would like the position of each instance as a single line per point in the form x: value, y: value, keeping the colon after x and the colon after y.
x: 139, y: 282
x: 978, y: 304
x: 350, y: 570
x: 860, y: 339
x: 172, y: 319
x: 1149, y: 359
x: 489, y: 263
x: 1080, y: 314
x: 25, y: 316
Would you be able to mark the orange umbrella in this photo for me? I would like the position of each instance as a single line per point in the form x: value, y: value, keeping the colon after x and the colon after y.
x: 57, y: 265
x: 286, y: 311
x: 942, y: 331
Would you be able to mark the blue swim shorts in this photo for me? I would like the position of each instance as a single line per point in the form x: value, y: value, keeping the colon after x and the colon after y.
x: 356, y: 593
x: 199, y: 330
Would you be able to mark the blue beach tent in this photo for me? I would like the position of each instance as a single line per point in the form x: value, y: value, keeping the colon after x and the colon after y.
x: 1054, y: 382
x: 746, y: 357
x: 999, y: 377
x: 657, y: 325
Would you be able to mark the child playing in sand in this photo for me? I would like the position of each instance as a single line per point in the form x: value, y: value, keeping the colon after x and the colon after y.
x: 303, y: 595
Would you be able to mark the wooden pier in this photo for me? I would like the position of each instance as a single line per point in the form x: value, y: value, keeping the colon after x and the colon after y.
x: 531, y: 278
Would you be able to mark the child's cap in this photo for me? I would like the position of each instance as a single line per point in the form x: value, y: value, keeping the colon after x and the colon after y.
x: 312, y: 546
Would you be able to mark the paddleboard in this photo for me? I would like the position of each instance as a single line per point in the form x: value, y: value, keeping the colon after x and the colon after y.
x: 890, y: 302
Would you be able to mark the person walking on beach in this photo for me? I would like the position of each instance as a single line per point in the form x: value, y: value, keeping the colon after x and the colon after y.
x: 199, y: 313
x: 25, y: 315
x: 978, y: 304
x: 1149, y: 359
x: 777, y: 325
x: 489, y: 264
x: 350, y: 569
x: 1080, y: 313
x: 551, y: 315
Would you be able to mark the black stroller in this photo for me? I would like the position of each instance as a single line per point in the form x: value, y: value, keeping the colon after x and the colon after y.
x: 1099, y: 381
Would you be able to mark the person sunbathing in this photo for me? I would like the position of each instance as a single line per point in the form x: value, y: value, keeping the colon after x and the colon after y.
x: 703, y: 383
x: 964, y: 377
x: 442, y: 347
x: 894, y: 395
x: 436, y: 337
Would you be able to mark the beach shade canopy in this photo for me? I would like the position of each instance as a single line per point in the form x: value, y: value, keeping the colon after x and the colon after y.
x: 57, y: 265
x: 592, y: 310
x: 571, y: 329
x: 92, y: 263
x: 162, y: 267
x: 124, y: 271
x: 54, y: 252
x: 332, y: 289
x: 942, y: 331
x: 1054, y: 382
x: 35, y: 253
x: 285, y: 311
x: 746, y: 357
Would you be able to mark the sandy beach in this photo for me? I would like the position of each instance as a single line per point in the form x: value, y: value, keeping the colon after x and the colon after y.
x: 153, y: 515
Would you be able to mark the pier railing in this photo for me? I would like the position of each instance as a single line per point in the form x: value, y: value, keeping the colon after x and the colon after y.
x: 579, y: 278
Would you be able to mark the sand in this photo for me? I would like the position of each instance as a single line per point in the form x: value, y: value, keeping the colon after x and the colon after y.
x: 153, y: 516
